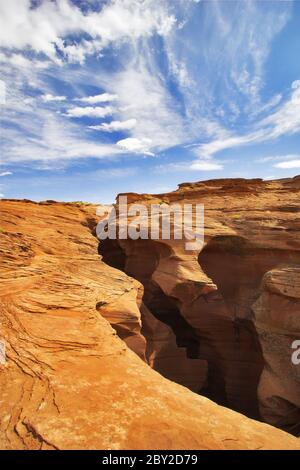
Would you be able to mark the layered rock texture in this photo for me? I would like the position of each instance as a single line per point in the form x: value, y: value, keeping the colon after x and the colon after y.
x: 83, y: 335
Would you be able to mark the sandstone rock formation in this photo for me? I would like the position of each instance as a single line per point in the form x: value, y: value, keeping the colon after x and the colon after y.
x: 213, y: 300
x: 277, y: 312
x: 69, y: 381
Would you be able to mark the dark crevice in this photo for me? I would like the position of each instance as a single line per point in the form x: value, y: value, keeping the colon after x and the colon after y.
x: 165, y: 309
x: 112, y: 254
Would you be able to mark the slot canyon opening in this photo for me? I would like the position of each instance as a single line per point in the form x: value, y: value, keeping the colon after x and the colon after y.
x: 162, y: 307
x: 210, y: 345
x: 172, y: 344
x: 219, y: 358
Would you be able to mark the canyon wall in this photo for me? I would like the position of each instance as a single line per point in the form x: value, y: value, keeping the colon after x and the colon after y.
x: 232, y: 306
x: 70, y: 323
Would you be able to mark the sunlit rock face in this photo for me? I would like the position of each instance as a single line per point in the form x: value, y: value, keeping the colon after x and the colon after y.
x: 277, y: 320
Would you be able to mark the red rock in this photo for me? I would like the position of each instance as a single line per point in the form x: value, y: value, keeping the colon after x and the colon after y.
x: 251, y: 228
x: 69, y: 381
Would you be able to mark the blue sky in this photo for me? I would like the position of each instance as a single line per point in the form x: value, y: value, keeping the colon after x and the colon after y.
x: 102, y: 97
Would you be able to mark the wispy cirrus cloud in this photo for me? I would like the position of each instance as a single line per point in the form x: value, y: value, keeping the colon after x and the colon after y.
x: 233, y: 69
x: 186, y: 75
x: 55, y: 143
x: 284, y: 121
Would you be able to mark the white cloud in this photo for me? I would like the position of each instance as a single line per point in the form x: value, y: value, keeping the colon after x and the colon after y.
x: 115, y: 126
x: 146, y: 108
x: 288, y: 164
x: 44, y: 27
x: 155, y: 117
x: 48, y: 98
x: 134, y: 145
x: 286, y: 120
x: 89, y: 111
x: 6, y: 173
x: 103, y: 98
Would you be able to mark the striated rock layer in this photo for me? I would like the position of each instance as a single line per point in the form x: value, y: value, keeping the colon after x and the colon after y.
x: 233, y: 305
x: 69, y: 381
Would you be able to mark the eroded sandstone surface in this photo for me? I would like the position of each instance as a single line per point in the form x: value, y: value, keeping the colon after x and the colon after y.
x: 70, y: 323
